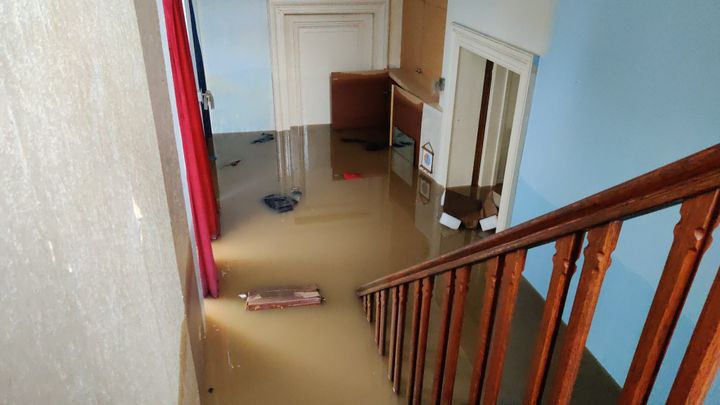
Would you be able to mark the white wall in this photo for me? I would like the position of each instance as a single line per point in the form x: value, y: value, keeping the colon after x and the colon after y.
x: 430, y: 133
x: 236, y: 49
x: 526, y: 24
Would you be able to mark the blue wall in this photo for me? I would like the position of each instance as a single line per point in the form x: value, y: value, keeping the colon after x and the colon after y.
x: 625, y: 87
x: 236, y: 49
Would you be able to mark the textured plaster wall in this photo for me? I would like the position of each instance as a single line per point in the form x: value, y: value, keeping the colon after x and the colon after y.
x: 92, y: 309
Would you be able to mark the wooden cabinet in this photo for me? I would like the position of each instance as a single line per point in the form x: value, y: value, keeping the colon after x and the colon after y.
x: 423, y: 38
x: 394, y: 98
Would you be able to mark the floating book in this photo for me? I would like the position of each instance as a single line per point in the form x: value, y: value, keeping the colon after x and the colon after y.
x: 283, y: 297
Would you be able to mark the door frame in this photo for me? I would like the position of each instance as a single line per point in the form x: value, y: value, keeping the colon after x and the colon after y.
x: 284, y: 82
x: 517, y: 60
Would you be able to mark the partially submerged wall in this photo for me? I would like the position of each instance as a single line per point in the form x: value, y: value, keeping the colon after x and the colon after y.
x: 92, y: 308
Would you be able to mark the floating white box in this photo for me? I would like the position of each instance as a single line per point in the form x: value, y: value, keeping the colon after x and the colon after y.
x: 450, y: 221
x: 488, y: 223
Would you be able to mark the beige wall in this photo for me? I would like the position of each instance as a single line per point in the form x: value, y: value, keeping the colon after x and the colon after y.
x: 92, y: 308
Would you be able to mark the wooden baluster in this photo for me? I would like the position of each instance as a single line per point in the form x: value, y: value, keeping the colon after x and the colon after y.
x: 462, y: 277
x: 702, y: 356
x: 376, y: 317
x: 427, y: 286
x: 567, y: 251
x: 381, y: 321
x: 364, y: 304
x: 369, y: 312
x: 414, y: 332
x: 601, y: 243
x: 485, y: 322
x: 444, y: 326
x: 369, y: 307
x: 393, y: 331
x: 698, y: 218
x: 509, y: 282
x: 399, y: 336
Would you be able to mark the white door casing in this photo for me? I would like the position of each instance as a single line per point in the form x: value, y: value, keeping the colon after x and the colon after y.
x: 317, y: 45
x: 513, y: 59
x: 297, y: 27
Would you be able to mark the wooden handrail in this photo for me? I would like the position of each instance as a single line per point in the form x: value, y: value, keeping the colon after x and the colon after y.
x: 693, y: 183
x: 653, y: 191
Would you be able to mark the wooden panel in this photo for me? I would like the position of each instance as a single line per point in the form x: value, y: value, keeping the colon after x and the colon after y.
x: 444, y: 330
x: 407, y: 112
x: 381, y: 321
x: 414, y: 332
x: 410, y: 81
x: 601, y: 243
x: 698, y: 218
x: 462, y: 277
x: 702, y: 357
x: 399, y: 338
x: 423, y: 39
x: 393, y: 330
x: 427, y: 286
x: 511, y: 274
x: 667, y: 185
x: 412, y: 34
x: 567, y: 250
x: 485, y: 322
x: 437, y: 3
x: 359, y: 99
x: 433, y: 41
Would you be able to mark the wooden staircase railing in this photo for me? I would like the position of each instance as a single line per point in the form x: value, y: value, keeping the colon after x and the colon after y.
x: 693, y: 182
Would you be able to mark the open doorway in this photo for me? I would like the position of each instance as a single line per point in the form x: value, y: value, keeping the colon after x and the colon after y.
x: 488, y: 87
x: 482, y: 122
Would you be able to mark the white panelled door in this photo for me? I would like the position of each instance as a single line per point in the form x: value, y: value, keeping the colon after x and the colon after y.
x: 315, y: 46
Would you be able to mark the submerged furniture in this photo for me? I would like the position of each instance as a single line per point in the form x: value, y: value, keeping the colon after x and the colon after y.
x: 379, y: 99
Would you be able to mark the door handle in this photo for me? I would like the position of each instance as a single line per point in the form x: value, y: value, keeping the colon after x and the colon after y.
x: 207, y: 100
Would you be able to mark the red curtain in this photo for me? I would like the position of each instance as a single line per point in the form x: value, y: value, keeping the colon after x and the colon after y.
x: 202, y: 196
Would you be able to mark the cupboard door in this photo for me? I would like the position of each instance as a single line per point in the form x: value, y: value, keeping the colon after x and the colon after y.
x: 359, y: 99
x: 406, y: 115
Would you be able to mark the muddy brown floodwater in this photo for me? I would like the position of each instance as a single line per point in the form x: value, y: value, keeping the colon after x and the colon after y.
x: 342, y: 233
